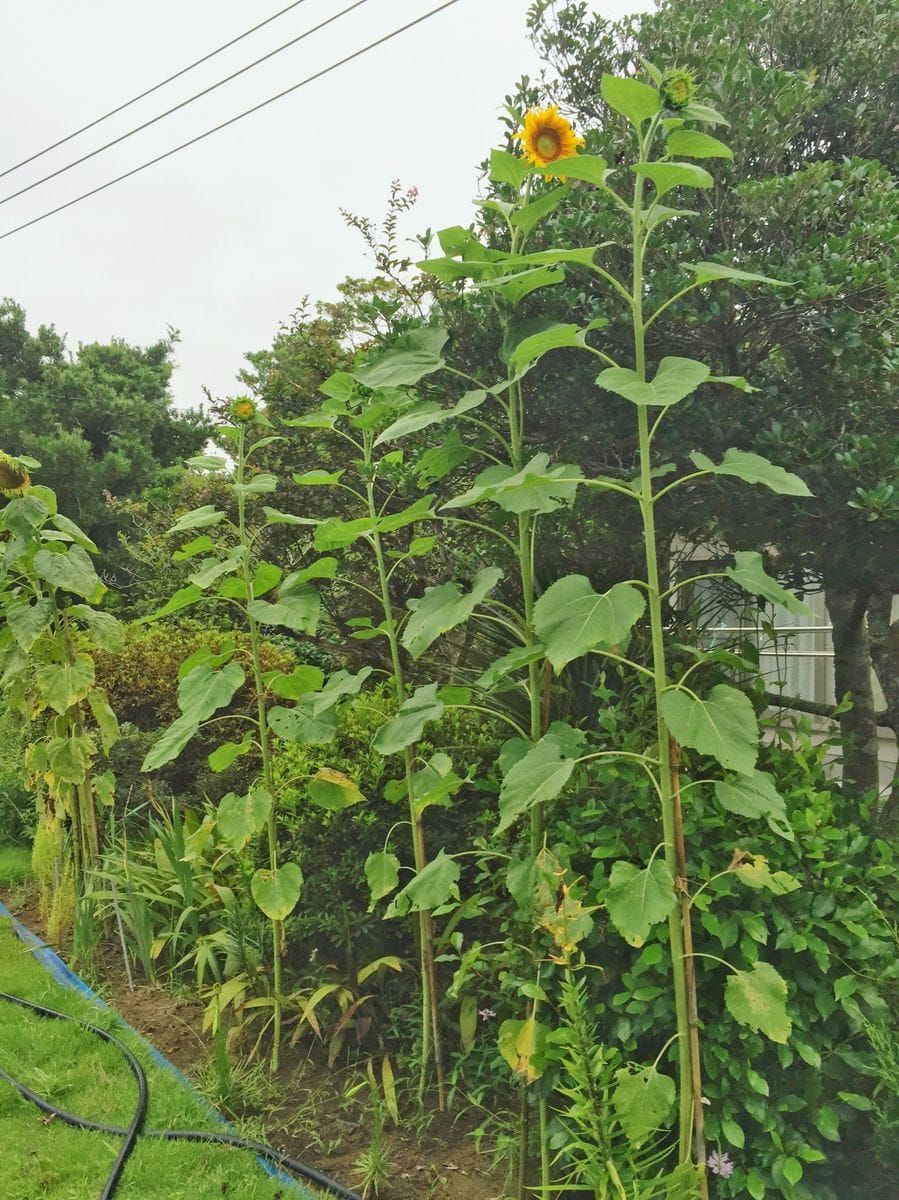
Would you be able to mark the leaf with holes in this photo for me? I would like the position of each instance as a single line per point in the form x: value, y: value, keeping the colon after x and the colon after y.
x: 758, y: 998
x: 332, y: 790
x: 240, y: 818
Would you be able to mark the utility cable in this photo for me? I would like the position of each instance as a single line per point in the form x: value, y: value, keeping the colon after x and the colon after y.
x: 149, y: 92
x: 224, y: 124
x: 183, y: 104
x: 135, y: 1130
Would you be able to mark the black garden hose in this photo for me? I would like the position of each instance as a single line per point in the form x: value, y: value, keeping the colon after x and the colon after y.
x: 135, y: 1129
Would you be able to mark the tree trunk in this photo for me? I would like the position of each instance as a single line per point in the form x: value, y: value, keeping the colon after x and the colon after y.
x: 852, y: 674
x: 883, y: 635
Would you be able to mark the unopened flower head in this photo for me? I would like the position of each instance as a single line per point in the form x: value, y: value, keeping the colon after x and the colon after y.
x: 677, y: 88
x: 14, y: 478
x: 242, y: 408
x: 546, y: 136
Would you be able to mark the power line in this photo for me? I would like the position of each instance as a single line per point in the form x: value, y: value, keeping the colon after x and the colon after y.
x: 233, y: 120
x: 155, y: 88
x: 184, y: 103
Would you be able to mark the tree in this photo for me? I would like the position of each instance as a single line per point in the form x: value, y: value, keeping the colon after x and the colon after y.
x: 100, y: 422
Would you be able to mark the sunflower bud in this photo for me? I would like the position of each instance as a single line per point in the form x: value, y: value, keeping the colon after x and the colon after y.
x: 242, y: 409
x: 14, y: 479
x: 677, y: 88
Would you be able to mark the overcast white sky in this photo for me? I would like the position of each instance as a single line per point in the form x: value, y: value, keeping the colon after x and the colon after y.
x: 222, y: 240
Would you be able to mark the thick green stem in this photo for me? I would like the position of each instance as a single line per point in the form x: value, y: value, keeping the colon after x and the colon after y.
x: 430, y: 1013
x: 277, y: 927
x: 660, y: 681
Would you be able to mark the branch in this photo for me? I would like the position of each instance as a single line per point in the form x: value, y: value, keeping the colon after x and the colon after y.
x: 884, y: 717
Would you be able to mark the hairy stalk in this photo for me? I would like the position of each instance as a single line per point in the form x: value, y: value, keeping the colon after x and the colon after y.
x: 277, y: 927
x: 659, y: 668
x: 430, y: 1013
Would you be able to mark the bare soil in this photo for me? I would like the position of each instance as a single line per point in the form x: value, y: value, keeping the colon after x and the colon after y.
x: 307, y: 1114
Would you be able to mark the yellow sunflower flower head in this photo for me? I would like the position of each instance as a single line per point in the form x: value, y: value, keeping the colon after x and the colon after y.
x: 14, y: 479
x: 546, y: 136
x: 242, y: 409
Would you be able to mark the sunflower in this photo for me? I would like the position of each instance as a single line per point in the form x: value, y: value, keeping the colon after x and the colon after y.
x: 677, y: 88
x: 14, y: 479
x: 547, y: 136
x: 242, y: 408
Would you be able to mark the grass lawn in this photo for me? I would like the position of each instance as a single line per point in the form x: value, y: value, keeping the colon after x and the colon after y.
x: 15, y: 865
x: 47, y: 1160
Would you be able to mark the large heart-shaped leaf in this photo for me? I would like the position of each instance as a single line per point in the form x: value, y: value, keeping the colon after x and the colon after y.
x: 170, y: 745
x: 674, y: 379
x: 332, y: 790
x: 28, y: 621
x: 298, y: 611
x: 411, y: 357
x: 758, y: 998
x: 240, y: 818
x: 693, y: 144
x: 432, y: 886
x: 642, y: 1098
x: 636, y: 100
x: 668, y: 175
x: 537, y: 487
x: 64, y: 684
x: 571, y: 618
x: 72, y: 571
x: 442, y: 608
x: 277, y: 892
x: 382, y: 871
x: 541, y: 774
x: 636, y: 900
x: 423, y: 415
x: 722, y: 725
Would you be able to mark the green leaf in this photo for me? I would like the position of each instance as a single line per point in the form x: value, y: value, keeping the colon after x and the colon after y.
x: 72, y: 571
x: 537, y: 487
x: 423, y: 415
x: 332, y: 790
x: 432, y: 886
x: 336, y: 534
x: 702, y: 112
x: 540, y: 775
x: 198, y: 518
x: 733, y: 1132
x: 297, y: 683
x: 225, y: 755
x: 183, y: 598
x: 382, y: 870
x: 723, y: 725
x: 750, y: 574
x: 106, y: 631
x: 589, y: 168
x: 75, y: 532
x: 668, y: 175
x: 635, y: 100
x: 28, y: 621
x: 674, y: 379
x: 302, y: 725
x: 753, y: 469
x: 513, y: 661
x: 442, y: 608
x: 792, y: 1169
x: 277, y: 892
x: 532, y: 348
x: 317, y: 478
x: 572, y: 619
x: 636, y: 900
x: 298, y: 611
x: 643, y: 1099
x: 207, y: 462
x: 106, y: 721
x: 752, y: 794
x: 828, y: 1123
x: 206, y: 690
x: 240, y: 818
x: 170, y: 745
x: 408, y: 724
x: 758, y: 998
x: 211, y: 569
x: 64, y: 684
x: 69, y: 758
x: 23, y: 514
x: 706, y: 272
x: 514, y: 288
x: 508, y: 168
x: 530, y: 215
x: 274, y: 517
x: 411, y: 357
x: 693, y: 144
x: 258, y: 485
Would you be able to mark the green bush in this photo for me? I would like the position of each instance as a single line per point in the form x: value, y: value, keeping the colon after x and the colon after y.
x: 17, y: 808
